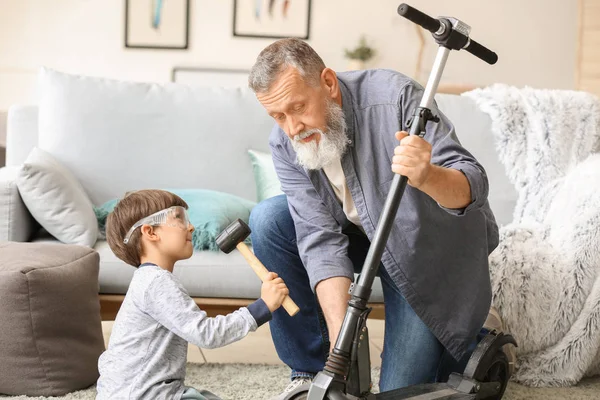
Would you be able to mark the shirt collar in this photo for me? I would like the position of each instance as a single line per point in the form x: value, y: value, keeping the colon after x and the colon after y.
x: 347, y: 101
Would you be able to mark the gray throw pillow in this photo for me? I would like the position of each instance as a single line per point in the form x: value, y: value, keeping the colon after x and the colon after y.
x: 57, y: 200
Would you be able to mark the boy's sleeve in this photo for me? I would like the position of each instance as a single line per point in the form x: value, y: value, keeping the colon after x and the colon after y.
x: 169, y: 305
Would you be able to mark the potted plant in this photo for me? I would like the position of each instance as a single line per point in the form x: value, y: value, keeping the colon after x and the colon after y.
x: 359, y: 56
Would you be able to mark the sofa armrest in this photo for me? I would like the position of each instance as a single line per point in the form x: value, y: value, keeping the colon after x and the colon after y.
x: 16, y: 223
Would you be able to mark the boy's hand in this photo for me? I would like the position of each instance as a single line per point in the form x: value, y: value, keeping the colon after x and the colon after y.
x: 273, y: 291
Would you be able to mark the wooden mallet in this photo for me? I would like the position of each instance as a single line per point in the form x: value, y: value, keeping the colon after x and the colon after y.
x: 233, y: 237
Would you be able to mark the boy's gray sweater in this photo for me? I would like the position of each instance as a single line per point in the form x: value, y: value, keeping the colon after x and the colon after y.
x: 147, y: 351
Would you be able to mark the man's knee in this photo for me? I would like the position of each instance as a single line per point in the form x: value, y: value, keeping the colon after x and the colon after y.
x: 270, y: 215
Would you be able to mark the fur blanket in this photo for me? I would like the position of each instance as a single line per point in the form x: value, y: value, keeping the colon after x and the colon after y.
x: 546, y: 271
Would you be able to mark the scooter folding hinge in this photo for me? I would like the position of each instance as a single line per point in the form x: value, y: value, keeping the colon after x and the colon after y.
x: 425, y: 115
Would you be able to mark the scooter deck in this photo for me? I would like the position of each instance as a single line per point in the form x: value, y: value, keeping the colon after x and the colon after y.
x: 430, y: 391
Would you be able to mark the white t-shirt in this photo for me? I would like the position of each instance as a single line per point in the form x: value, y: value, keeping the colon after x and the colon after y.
x: 336, y: 177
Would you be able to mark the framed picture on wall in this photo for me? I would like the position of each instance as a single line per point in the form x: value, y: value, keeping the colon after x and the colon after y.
x: 212, y: 77
x: 271, y: 18
x: 157, y: 24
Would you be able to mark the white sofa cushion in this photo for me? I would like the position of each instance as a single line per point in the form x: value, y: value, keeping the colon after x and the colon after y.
x: 119, y: 136
x: 56, y: 199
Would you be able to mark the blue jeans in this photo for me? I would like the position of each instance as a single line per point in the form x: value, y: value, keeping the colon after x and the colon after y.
x: 411, y: 353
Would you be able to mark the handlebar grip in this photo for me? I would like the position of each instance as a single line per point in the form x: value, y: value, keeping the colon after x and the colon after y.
x: 481, y: 52
x: 419, y: 18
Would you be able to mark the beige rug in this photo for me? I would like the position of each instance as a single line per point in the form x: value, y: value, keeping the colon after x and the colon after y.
x: 256, y: 382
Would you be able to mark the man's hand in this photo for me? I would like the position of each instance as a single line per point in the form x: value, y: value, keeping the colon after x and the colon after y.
x: 449, y: 187
x: 412, y: 158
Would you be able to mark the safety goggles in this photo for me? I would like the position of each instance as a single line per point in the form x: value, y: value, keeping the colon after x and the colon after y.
x: 175, y: 216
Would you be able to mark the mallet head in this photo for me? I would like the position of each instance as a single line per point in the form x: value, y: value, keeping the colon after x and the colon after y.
x: 235, y: 233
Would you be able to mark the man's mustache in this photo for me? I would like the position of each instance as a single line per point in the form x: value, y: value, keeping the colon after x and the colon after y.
x: 305, y: 134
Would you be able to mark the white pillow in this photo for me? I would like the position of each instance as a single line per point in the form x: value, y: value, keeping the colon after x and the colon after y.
x: 57, y: 200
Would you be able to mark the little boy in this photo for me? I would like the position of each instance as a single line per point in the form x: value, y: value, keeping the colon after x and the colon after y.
x: 147, y: 352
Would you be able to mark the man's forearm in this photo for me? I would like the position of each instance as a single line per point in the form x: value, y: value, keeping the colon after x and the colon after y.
x: 449, y: 187
x: 333, y: 298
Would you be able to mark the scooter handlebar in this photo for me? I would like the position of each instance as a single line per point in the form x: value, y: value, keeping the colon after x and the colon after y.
x: 419, y: 18
x: 481, y: 52
x: 433, y: 25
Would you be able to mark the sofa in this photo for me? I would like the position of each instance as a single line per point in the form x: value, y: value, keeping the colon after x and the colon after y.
x: 116, y: 136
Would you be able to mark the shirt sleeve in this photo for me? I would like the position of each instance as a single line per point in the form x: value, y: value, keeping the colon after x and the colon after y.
x: 322, y: 246
x: 167, y: 302
x: 446, y: 148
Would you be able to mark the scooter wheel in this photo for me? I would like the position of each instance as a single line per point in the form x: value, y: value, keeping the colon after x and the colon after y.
x: 496, y: 371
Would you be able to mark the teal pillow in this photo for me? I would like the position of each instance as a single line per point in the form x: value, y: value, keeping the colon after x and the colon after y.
x: 101, y: 215
x: 265, y: 177
x: 210, y: 212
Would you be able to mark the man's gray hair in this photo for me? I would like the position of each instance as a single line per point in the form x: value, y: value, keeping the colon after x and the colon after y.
x: 280, y: 55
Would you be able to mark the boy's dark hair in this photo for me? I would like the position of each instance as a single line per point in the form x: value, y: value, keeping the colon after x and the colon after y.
x: 129, y: 210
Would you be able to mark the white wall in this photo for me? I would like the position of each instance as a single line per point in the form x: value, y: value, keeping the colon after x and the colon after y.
x: 535, y: 40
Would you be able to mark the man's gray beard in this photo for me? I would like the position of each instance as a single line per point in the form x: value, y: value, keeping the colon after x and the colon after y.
x: 331, y: 146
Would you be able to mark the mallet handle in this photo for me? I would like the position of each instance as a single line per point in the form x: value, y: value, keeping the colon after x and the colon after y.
x: 260, y: 270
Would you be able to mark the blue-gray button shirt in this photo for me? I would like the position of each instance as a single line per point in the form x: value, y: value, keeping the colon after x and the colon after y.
x: 437, y: 257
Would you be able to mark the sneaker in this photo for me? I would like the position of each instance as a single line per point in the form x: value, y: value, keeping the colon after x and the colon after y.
x: 298, y: 385
x: 494, y: 322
